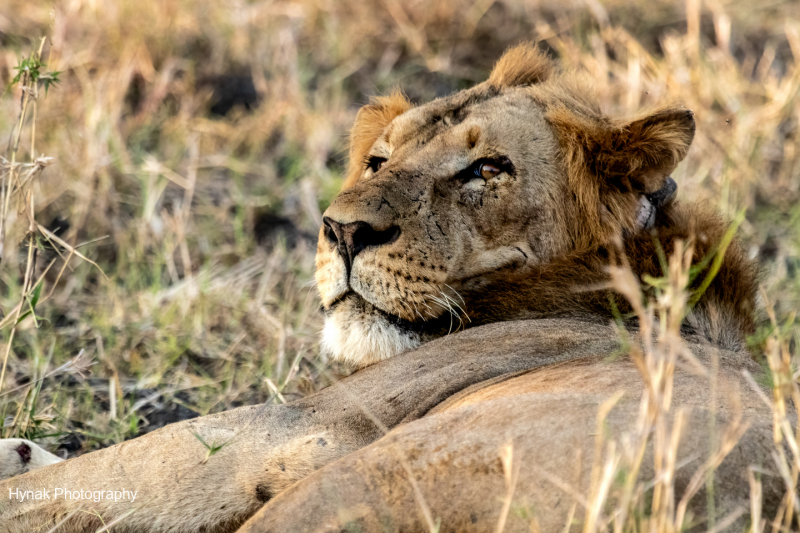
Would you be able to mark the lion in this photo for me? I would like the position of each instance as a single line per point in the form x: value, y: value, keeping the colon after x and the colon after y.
x: 443, y: 205
x: 463, y: 270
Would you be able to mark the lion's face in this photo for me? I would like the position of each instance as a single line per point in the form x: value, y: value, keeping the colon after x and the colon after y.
x: 448, y: 195
x: 441, y: 198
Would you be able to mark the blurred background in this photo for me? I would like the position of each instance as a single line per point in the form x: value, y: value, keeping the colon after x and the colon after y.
x: 195, y: 144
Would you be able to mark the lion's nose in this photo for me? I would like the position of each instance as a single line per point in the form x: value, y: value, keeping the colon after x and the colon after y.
x: 354, y: 237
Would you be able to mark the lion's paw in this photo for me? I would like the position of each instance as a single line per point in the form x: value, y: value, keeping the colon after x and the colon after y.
x: 17, y: 456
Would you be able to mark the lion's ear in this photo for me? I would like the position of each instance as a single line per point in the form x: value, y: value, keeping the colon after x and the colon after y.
x: 629, y: 156
x: 370, y: 122
x: 524, y: 64
x: 612, y: 166
x: 639, y: 155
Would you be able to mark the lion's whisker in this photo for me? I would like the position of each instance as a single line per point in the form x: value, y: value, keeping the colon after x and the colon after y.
x: 430, y: 311
x: 416, y: 310
x: 454, y: 303
x: 458, y: 315
x: 446, y: 302
x: 456, y: 293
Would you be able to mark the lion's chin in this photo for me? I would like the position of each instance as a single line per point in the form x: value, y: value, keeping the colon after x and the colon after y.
x: 359, y: 337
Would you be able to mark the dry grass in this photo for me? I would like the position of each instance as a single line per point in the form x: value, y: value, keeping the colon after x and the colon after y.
x: 204, y: 224
x: 620, y: 500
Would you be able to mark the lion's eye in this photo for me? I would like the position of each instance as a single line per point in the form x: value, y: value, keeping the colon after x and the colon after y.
x: 488, y: 171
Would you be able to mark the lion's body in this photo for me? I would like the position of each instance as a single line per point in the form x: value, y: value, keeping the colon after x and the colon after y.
x: 548, y: 416
x: 498, y: 204
x: 454, y: 403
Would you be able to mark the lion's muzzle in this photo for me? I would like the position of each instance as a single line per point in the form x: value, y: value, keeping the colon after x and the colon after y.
x: 352, y: 238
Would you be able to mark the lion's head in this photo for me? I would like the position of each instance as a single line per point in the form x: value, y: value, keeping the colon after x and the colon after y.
x: 481, y: 185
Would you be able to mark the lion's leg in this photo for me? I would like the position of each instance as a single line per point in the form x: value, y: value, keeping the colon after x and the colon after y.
x: 171, y: 481
x: 209, y: 473
x: 181, y: 486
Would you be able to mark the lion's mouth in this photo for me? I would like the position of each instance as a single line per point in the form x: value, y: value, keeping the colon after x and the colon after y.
x: 359, y: 332
x: 433, y: 326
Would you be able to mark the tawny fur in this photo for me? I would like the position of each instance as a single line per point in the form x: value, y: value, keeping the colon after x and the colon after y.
x: 567, y: 286
x: 370, y: 122
x: 548, y: 417
x: 521, y: 65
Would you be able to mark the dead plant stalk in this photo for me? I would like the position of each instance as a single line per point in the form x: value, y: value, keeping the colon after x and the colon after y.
x: 12, y: 186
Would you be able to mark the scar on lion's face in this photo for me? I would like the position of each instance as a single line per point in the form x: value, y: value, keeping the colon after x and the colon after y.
x: 442, y: 198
